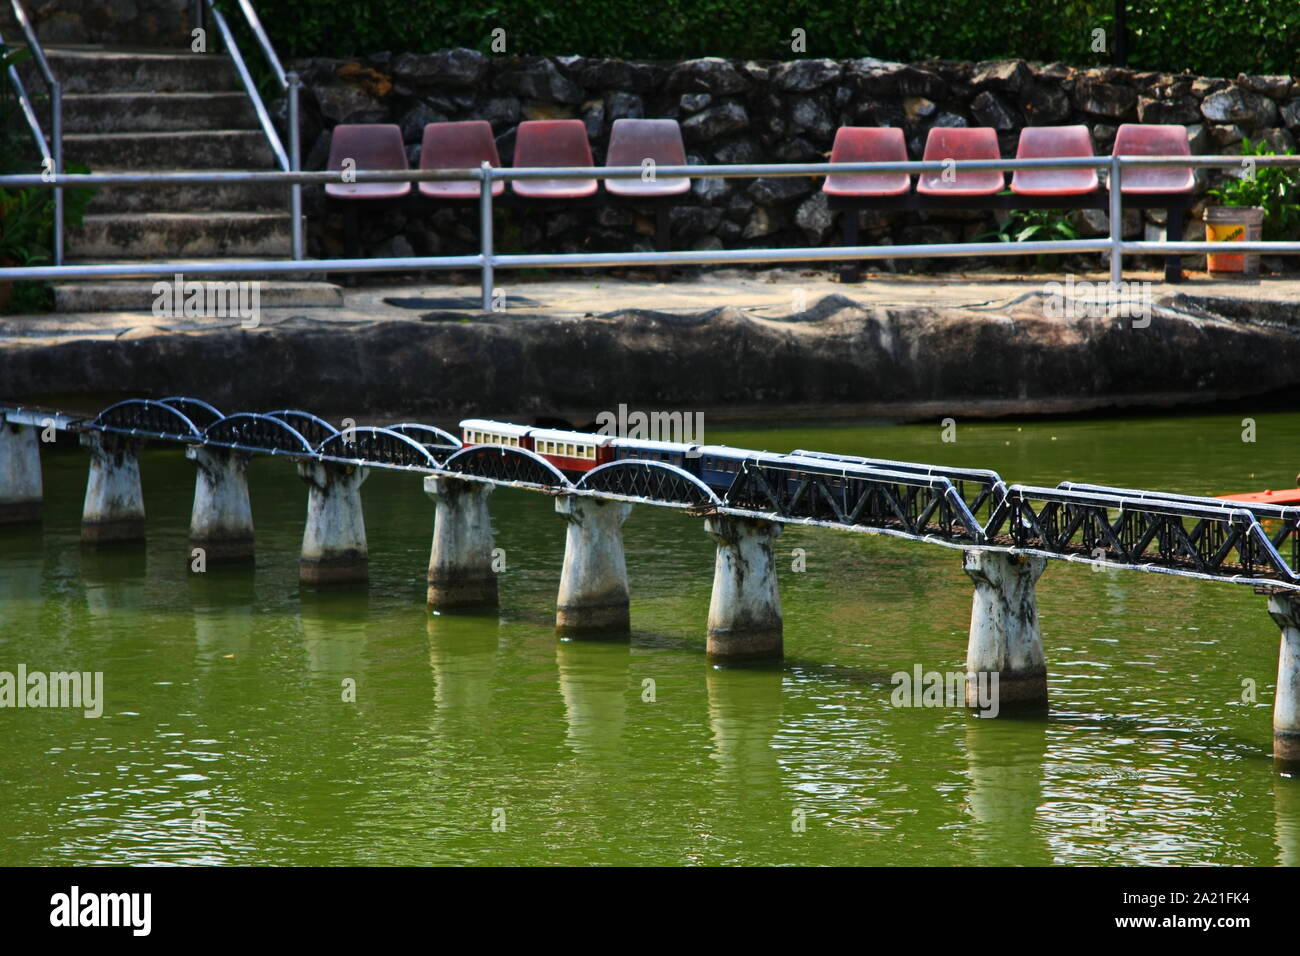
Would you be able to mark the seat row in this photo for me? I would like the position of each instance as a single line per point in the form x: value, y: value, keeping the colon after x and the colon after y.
x: 632, y: 142
x: 538, y: 143
x: 861, y: 144
x: 541, y: 143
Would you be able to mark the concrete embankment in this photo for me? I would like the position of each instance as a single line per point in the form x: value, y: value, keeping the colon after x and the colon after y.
x: 1016, y: 352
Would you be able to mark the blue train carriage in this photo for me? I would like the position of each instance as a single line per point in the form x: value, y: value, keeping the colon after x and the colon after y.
x: 718, y: 465
x: 684, y: 456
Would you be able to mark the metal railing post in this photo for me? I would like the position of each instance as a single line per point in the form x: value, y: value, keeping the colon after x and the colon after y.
x: 1115, y: 186
x: 485, y: 231
x: 196, y: 14
x: 56, y: 120
x: 295, y: 165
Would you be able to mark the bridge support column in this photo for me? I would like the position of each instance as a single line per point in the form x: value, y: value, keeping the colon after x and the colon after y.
x: 1004, y: 635
x: 1285, y: 611
x: 745, y: 610
x: 460, y: 561
x: 334, y: 547
x: 20, y: 473
x: 221, y: 522
x: 114, y: 507
x: 593, y: 595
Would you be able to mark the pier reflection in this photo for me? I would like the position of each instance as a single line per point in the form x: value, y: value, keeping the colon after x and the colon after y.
x: 463, y: 652
x: 745, y: 715
x: 1006, y: 757
x: 595, y: 684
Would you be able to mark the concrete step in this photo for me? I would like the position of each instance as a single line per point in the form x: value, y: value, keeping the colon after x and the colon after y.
x: 174, y: 235
x: 156, y: 112
x: 197, y: 149
x: 138, y: 295
x: 234, y: 197
x: 92, y: 69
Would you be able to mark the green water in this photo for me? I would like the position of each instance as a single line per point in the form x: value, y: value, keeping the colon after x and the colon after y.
x: 225, y: 738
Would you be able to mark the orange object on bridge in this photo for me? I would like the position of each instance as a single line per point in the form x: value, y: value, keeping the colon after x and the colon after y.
x: 1282, y: 496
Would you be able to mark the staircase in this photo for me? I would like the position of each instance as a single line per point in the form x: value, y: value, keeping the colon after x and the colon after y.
x: 167, y: 109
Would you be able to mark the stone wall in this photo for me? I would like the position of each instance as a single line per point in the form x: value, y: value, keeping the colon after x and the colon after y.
x: 751, y: 112
x: 132, y: 23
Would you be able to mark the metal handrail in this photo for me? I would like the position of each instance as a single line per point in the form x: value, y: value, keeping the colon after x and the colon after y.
x: 1114, y: 245
x: 51, y: 152
x: 289, y: 82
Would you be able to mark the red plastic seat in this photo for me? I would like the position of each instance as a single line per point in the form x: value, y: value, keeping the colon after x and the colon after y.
x: 1147, y: 139
x: 632, y: 142
x: 962, y: 142
x: 370, y: 146
x: 465, y: 145
x: 868, y: 144
x: 1044, y: 142
x: 553, y: 143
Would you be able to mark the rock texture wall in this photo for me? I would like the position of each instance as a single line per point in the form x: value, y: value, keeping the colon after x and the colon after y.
x: 133, y: 23
x: 742, y: 112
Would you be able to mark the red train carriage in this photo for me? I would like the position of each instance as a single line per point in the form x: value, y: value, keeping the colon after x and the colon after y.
x: 571, y: 451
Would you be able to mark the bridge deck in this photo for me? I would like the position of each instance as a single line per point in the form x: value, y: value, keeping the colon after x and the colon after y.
x: 1245, y: 542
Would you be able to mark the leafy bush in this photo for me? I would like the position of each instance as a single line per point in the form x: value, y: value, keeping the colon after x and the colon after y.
x: 1251, y: 36
x: 1275, y: 189
x: 1035, y: 225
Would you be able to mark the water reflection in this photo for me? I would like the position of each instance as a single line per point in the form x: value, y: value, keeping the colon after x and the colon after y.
x: 463, y: 652
x: 222, y: 602
x: 114, y: 581
x: 1005, y: 757
x: 745, y: 707
x: 594, y: 682
x: 334, y: 625
x: 1286, y: 806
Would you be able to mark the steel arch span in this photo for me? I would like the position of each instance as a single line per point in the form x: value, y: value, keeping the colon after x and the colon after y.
x: 311, y: 427
x: 516, y: 466
x: 248, y: 431
x: 148, y: 419
x: 656, y: 481
x: 376, y: 446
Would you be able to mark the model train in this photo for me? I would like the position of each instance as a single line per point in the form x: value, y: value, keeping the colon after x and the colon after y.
x: 576, y: 453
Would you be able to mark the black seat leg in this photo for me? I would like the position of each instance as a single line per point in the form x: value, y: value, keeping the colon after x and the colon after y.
x: 1174, y: 219
x: 351, y: 238
x: 663, y: 240
x: 850, y: 269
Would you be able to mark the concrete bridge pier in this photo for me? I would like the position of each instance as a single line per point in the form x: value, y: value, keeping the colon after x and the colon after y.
x: 593, y: 596
x: 114, y: 507
x: 334, y: 547
x: 1285, y: 611
x: 461, y: 574
x: 745, y: 611
x: 1004, y: 635
x: 20, y: 473
x: 221, y: 521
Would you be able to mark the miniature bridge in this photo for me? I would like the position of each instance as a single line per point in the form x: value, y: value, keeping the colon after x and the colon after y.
x: 1008, y: 532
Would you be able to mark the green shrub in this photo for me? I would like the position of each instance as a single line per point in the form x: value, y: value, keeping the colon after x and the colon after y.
x: 1251, y: 36
x: 1275, y: 189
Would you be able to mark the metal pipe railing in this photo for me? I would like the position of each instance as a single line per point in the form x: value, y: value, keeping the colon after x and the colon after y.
x: 263, y: 117
x: 51, y: 153
x: 289, y: 83
x: 487, y: 261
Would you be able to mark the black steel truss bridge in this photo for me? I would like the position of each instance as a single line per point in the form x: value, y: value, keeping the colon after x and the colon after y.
x: 964, y: 508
